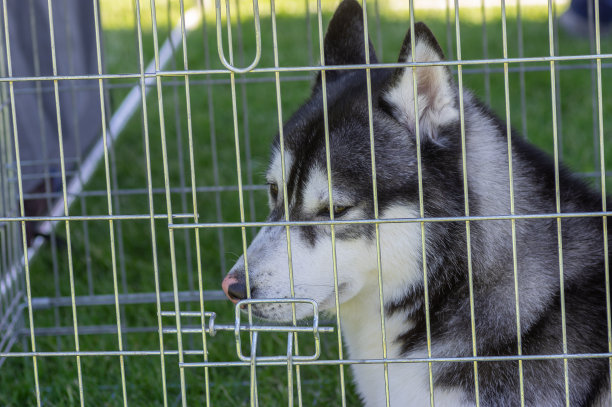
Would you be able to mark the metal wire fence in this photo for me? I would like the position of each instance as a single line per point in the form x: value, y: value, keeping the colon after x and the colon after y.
x: 125, y: 269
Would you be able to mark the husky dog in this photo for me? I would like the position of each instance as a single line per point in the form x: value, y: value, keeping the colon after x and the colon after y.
x: 490, y: 257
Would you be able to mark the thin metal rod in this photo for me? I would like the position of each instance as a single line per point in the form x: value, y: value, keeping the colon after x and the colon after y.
x: 195, y: 204
x: 162, y: 127
x: 238, y: 169
x: 417, y: 128
x: 466, y: 203
x: 279, y: 110
x: 512, y: 206
x: 331, y: 202
x: 246, y: 134
x: 320, y: 362
x: 467, y: 359
x: 213, y: 140
x: 553, y: 89
x: 150, y: 200
x: 303, y: 223
x: 314, y: 68
x: 602, y: 168
x: 366, y: 40
x: 21, y: 202
x: 230, y: 65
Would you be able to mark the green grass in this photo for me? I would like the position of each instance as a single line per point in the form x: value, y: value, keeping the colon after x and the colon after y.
x: 133, y: 244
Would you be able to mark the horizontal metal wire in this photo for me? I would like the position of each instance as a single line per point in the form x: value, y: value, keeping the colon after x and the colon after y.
x: 78, y: 85
x: 87, y: 330
x: 142, y: 191
x: 252, y: 328
x: 50, y: 174
x: 193, y: 72
x: 271, y: 79
x: 197, y: 314
x: 136, y: 298
x: 91, y: 217
x: 203, y: 189
x: 27, y: 163
x: 77, y: 218
x: 389, y: 220
x: 380, y: 361
x: 186, y: 329
x: 321, y: 362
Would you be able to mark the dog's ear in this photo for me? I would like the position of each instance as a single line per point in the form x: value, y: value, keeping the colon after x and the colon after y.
x: 344, y: 41
x: 436, y: 93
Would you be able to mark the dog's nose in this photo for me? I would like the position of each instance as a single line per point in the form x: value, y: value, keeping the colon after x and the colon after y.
x: 234, y: 288
x: 237, y: 291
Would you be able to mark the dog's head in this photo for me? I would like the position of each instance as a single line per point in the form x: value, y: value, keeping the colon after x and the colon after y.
x: 307, y: 263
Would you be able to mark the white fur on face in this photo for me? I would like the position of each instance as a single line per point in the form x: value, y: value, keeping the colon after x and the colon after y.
x: 316, y: 193
x: 275, y: 171
x: 312, y: 266
x: 436, y: 106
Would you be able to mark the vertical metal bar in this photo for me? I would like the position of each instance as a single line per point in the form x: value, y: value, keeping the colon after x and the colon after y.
x: 7, y: 200
x: 179, y: 156
x: 162, y: 126
x: 421, y: 204
x: 289, y: 366
x: 5, y: 299
x: 375, y: 198
x: 553, y: 87
x: 512, y: 208
x: 213, y: 140
x: 195, y: 203
x: 466, y: 201
x: 253, y: 387
x: 245, y: 120
x: 331, y: 203
x: 118, y: 231
x: 151, y: 201
x: 521, y: 53
x: 449, y: 31
x: 309, y: 33
x: 252, y: 338
x: 65, y: 197
x: 45, y: 155
x: 279, y: 109
x: 485, y: 53
x: 180, y: 152
x: 590, y: 19
x: 79, y: 158
x: 378, y: 30
x: 602, y: 169
x: 558, y: 79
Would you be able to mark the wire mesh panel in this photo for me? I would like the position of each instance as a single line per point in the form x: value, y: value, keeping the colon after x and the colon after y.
x: 148, y: 185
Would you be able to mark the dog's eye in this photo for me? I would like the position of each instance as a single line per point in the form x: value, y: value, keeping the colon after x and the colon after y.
x: 339, y: 210
x: 273, y: 190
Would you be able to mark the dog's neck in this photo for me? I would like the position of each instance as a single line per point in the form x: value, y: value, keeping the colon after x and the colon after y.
x: 360, y: 319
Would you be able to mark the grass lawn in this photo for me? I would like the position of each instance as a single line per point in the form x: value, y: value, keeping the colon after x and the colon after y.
x: 91, y: 243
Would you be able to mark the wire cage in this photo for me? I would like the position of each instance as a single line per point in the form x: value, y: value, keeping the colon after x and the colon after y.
x: 110, y: 294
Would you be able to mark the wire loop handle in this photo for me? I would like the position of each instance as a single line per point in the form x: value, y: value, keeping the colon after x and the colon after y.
x: 238, y: 327
x: 220, y: 50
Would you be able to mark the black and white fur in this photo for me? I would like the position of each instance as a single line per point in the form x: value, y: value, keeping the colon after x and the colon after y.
x: 539, y: 290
